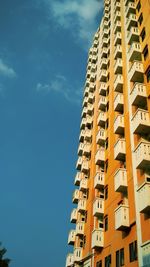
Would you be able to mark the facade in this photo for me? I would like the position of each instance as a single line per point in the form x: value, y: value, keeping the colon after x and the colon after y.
x: 111, y: 215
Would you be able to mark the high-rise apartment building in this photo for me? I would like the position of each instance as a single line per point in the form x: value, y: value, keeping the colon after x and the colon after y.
x: 111, y: 217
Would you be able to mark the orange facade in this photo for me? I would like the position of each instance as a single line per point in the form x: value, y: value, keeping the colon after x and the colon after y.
x: 112, y: 213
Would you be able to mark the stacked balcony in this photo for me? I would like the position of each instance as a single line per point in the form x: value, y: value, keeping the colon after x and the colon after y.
x: 118, y: 66
x: 85, y: 101
x: 142, y: 155
x: 85, y: 166
x: 122, y: 217
x: 89, y: 121
x: 118, y: 38
x: 80, y: 149
x: 98, y: 239
x: 78, y: 254
x: 77, y: 178
x: 103, y: 75
x: 83, y: 184
x: 81, y: 137
x: 86, y: 150
x: 87, y: 135
x: 92, y: 87
x: 82, y: 205
x: 100, y: 157
x: 74, y: 216
x: 133, y: 35
x: 141, y: 122
x: 98, y: 207
x: 117, y: 16
x: 102, y: 103
x: 118, y: 83
x: 120, y: 180
x: 136, y: 72
x: 105, y: 33
x: 90, y: 109
x: 130, y: 9
x: 104, y: 63
x: 118, y: 52
x: 80, y: 228
x: 90, y: 97
x: 119, y: 124
x: 120, y: 150
x: 144, y: 197
x: 79, y: 163
x: 138, y: 95
x: 101, y: 137
x: 131, y: 21
x: 102, y: 118
x: 118, y: 103
x: 117, y: 7
x: 83, y: 122
x: 76, y: 196
x: 99, y: 180
x: 71, y: 237
x: 117, y: 27
x: 103, y: 89
x: 70, y: 260
x: 135, y: 52
x: 105, y: 42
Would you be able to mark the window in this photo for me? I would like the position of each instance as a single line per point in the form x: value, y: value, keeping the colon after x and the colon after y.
x: 133, y: 251
x: 120, y: 257
x: 106, y: 192
x: 106, y: 143
x: 106, y: 223
x: 139, y: 6
x: 99, y: 264
x: 145, y: 52
x: 108, y: 261
x: 143, y: 34
x: 140, y: 20
x: 106, y: 165
x: 148, y: 74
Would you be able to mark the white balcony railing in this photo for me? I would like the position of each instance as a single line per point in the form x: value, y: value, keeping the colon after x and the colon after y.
x: 120, y: 180
x: 101, y: 137
x: 83, y: 184
x: 74, y: 216
x: 119, y: 124
x: 98, y: 238
x: 122, y: 217
x: 98, y: 207
x: 100, y: 156
x: 82, y: 205
x: 80, y: 228
x: 70, y: 260
x: 99, y: 180
x: 118, y: 83
x: 71, y: 237
x: 118, y: 102
x: 142, y: 155
x: 138, y: 94
x: 78, y: 254
x: 120, y: 149
x: 136, y: 72
x: 144, y: 197
x: 141, y: 122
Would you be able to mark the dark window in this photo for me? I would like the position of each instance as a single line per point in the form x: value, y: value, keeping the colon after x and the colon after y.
x: 133, y: 251
x: 106, y: 223
x: 106, y: 165
x: 143, y: 34
x: 145, y: 52
x: 106, y: 192
x: 99, y: 264
x: 106, y: 143
x: 139, y: 6
x: 148, y: 74
x: 108, y: 261
x: 140, y: 20
x: 120, y: 257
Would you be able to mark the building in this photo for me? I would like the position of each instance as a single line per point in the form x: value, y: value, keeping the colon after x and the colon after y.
x: 111, y: 216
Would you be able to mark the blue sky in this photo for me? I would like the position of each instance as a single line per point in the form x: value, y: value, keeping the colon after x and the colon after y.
x: 43, y: 53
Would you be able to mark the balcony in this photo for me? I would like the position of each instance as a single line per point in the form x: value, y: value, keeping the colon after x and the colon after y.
x: 82, y: 125
x: 71, y: 237
x: 146, y: 253
x: 92, y: 87
x: 87, y: 150
x: 94, y: 51
x: 105, y: 42
x: 103, y: 89
x: 70, y: 260
x: 77, y: 178
x: 102, y: 118
x: 81, y: 137
x: 101, y: 137
x: 104, y: 52
x: 117, y: 27
x: 99, y: 180
x: 142, y: 155
x: 120, y: 150
x: 135, y: 52
x: 100, y: 156
x: 93, y: 67
x: 80, y: 228
x: 84, y: 184
x: 90, y: 109
x: 88, y: 135
x: 91, y: 97
x: 80, y: 149
x: 122, y: 217
x: 141, y: 122
x: 94, y: 59
x: 89, y: 121
x: 133, y: 35
x: 98, y: 207
x: 79, y: 163
x: 117, y: 7
x: 118, y: 52
x: 85, y: 166
x: 103, y: 75
x: 82, y: 205
x: 78, y: 254
x: 104, y: 63
x: 87, y: 83
x: 144, y: 197
x: 105, y: 33
x: 117, y: 40
x: 127, y: 1
x: 97, y: 239
x: 92, y: 78
x: 84, y: 112
x: 106, y: 17
x: 131, y: 21
x: 136, y: 72
x: 76, y: 196
x: 117, y: 16
x: 118, y: 102
x: 120, y: 179
x: 138, y: 95
x: 102, y: 103
x: 118, y: 66
x: 130, y: 9
x: 118, y: 83
x: 119, y: 124
x: 95, y: 43
x: 105, y: 25
x: 85, y: 100
x: 86, y: 91
x: 74, y: 216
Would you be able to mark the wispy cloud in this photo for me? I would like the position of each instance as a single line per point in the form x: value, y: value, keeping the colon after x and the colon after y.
x: 61, y: 86
x: 6, y: 70
x: 77, y: 15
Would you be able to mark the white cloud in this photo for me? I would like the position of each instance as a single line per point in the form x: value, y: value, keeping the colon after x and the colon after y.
x: 60, y: 86
x: 77, y: 15
x: 7, y: 71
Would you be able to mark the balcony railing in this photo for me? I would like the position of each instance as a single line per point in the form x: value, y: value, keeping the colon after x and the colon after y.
x: 80, y: 228
x: 117, y: 40
x: 70, y: 260
x: 135, y: 52
x: 101, y: 137
x: 120, y: 179
x: 83, y: 184
x: 85, y: 166
x: 99, y: 180
x: 136, y: 72
x: 117, y: 16
x: 118, y: 83
x: 117, y: 27
x: 103, y: 88
x: 86, y: 150
x: 118, y: 66
x: 138, y: 95
x: 98, y: 238
x: 144, y: 197
x: 122, y: 217
x: 118, y: 52
x: 78, y: 254
x: 119, y: 124
x: 118, y: 102
x: 131, y: 21
x: 120, y: 150
x: 130, y: 9
x: 102, y: 103
x: 103, y: 75
x: 142, y: 155
x: 98, y: 207
x: 76, y: 196
x: 74, y: 216
x: 87, y: 135
x: 80, y: 149
x: 82, y: 205
x: 141, y: 122
x: 77, y: 178
x: 79, y: 163
x: 100, y: 156
x: 102, y: 118
x: 71, y: 237
x: 133, y: 35
x: 104, y: 63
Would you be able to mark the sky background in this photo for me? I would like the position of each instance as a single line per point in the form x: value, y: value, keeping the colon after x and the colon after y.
x: 43, y: 54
